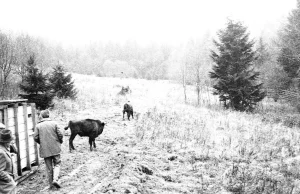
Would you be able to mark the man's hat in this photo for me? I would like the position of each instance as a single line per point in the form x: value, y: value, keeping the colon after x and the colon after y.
x: 6, y: 136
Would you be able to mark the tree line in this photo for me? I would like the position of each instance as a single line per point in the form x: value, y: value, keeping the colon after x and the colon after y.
x: 236, y: 66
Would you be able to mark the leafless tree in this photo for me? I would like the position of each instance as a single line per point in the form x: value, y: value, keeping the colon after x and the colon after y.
x: 7, y: 60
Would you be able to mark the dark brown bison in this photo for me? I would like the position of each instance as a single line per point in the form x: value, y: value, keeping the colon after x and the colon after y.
x: 128, y: 109
x: 87, y: 127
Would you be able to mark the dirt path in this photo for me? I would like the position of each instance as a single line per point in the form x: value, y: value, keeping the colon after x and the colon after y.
x: 83, y: 171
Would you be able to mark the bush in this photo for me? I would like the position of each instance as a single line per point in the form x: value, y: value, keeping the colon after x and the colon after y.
x: 42, y: 101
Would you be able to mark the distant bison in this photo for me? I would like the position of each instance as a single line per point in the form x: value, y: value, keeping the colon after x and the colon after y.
x: 87, y: 127
x: 125, y: 90
x: 128, y: 109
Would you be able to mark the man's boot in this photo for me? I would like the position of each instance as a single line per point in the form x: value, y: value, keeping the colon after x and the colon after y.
x: 55, y: 177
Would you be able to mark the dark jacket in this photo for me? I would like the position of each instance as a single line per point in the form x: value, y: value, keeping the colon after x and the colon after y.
x: 7, y: 182
x: 50, y: 138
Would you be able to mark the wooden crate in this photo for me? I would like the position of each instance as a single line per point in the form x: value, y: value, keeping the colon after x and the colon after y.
x: 20, y: 117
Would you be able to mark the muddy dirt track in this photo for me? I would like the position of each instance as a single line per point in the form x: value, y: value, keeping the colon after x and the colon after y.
x: 83, y: 171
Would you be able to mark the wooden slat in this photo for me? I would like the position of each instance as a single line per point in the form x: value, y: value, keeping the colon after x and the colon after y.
x: 30, y: 133
x: 34, y: 119
x: 19, y: 168
x: 31, y: 142
x: 6, y: 102
x: 32, y: 158
x: 21, y: 119
x: 22, y: 127
x: 25, y: 115
x: 11, y: 122
x: 28, y: 110
x: 22, y: 137
x: 2, y: 116
x: 22, y: 153
x: 30, y: 125
x: 14, y: 160
x: 6, y: 117
x: 23, y: 163
x: 10, y: 112
x: 23, y: 144
x: 31, y: 150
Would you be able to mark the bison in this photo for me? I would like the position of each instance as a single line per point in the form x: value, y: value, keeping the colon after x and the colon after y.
x: 87, y: 127
x: 128, y: 109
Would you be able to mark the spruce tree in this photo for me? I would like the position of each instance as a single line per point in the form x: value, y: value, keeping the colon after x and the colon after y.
x: 290, y: 48
x: 236, y: 81
x: 35, y: 86
x: 35, y: 81
x: 62, y: 84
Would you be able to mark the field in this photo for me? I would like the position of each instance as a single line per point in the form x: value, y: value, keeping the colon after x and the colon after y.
x: 173, y: 147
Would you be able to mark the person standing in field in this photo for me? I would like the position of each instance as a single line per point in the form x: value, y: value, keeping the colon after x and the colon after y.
x: 50, y: 138
x: 7, y: 183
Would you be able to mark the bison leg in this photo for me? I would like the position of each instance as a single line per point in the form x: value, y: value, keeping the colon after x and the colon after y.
x: 91, y: 143
x: 128, y: 115
x: 123, y: 114
x: 71, y: 146
x: 132, y: 114
x: 94, y: 143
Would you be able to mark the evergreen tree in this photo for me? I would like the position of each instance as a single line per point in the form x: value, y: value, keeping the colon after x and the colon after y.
x: 62, y: 84
x: 233, y: 70
x: 263, y: 54
x: 289, y: 56
x: 35, y: 81
x: 35, y: 86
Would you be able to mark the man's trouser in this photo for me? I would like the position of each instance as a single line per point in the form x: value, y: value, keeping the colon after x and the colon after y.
x: 14, y: 191
x: 52, y: 167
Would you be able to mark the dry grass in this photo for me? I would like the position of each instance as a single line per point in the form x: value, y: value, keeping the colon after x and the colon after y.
x: 250, y: 153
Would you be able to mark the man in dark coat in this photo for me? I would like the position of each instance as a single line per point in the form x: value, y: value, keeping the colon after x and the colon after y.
x: 7, y: 183
x: 50, y: 138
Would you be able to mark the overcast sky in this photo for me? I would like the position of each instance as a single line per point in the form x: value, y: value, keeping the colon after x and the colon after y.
x: 83, y: 21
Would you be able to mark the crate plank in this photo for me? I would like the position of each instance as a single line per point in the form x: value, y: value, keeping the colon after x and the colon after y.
x: 30, y: 133
x: 6, y: 118
x: 2, y: 116
x: 32, y: 158
x: 21, y: 127
x: 34, y: 120
x: 23, y: 153
x: 19, y: 167
x: 22, y: 136
x: 31, y: 142
x: 23, y: 163
x: 21, y: 120
x: 30, y: 125
x: 10, y: 112
x: 31, y: 150
x: 28, y: 110
x: 11, y: 122
x: 22, y: 144
x: 26, y: 135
